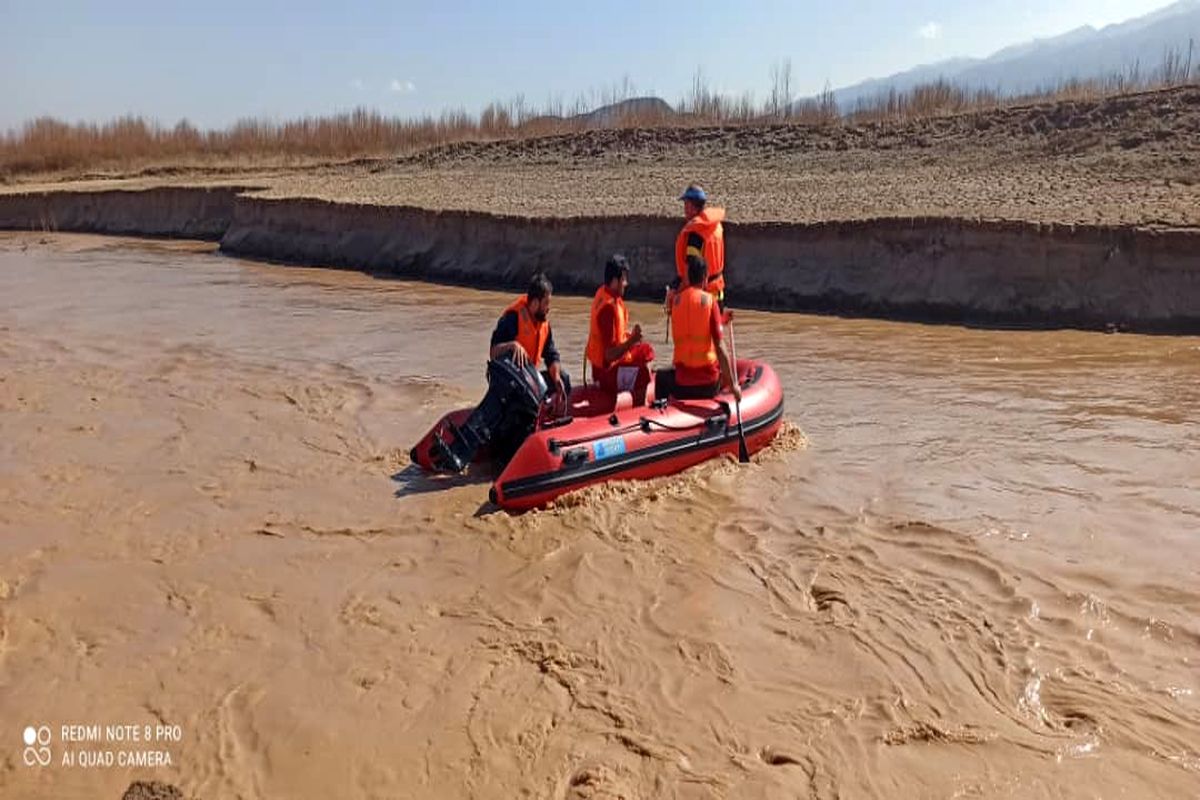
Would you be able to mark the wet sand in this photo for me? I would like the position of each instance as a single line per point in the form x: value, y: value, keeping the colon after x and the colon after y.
x: 978, y: 579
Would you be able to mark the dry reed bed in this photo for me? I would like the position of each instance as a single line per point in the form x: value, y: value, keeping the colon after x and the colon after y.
x: 49, y: 145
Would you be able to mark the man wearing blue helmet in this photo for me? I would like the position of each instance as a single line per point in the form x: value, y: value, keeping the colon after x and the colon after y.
x: 702, y: 236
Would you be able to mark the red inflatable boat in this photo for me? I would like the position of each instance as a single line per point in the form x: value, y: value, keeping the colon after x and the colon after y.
x: 598, y: 442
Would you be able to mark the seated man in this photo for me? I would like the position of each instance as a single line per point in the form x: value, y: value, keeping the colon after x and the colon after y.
x: 701, y: 364
x: 523, y: 334
x: 509, y: 411
x: 620, y: 360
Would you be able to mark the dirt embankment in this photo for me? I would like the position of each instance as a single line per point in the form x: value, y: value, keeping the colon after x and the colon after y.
x: 183, y: 212
x: 1069, y: 214
x: 942, y: 269
x: 939, y: 269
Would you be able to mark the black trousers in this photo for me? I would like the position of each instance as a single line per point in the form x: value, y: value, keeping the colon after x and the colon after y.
x: 665, y: 386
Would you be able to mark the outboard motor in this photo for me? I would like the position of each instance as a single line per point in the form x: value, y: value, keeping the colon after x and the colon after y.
x: 503, y: 420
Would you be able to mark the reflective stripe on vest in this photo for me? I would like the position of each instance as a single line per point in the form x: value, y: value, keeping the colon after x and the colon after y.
x: 531, y: 334
x: 596, y: 345
x: 691, y: 320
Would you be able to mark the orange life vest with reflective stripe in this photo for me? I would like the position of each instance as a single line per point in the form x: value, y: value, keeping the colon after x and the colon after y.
x: 691, y: 315
x: 531, y: 334
x: 596, y: 344
x: 706, y: 224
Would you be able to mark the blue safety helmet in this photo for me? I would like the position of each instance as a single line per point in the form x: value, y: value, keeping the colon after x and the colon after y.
x: 695, y: 193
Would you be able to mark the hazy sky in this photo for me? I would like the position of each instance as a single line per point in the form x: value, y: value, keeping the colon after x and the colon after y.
x: 214, y: 61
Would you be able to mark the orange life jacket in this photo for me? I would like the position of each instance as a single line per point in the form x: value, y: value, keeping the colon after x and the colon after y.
x: 531, y: 334
x: 596, y: 344
x: 691, y: 314
x: 708, y: 225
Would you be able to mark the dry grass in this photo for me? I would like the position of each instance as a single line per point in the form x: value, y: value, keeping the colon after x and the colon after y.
x: 49, y: 146
x: 943, y: 97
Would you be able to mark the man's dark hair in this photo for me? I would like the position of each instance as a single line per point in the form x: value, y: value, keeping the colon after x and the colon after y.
x: 539, y: 286
x: 614, y: 268
x: 697, y: 270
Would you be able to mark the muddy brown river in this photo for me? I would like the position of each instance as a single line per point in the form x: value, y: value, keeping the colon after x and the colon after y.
x: 979, y: 578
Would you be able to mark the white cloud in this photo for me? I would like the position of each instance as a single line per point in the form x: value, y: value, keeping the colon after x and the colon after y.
x: 357, y: 84
x: 930, y: 30
x: 401, y: 87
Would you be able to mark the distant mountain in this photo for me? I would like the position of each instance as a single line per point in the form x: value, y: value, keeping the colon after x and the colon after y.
x: 612, y: 115
x: 636, y: 107
x: 1084, y: 53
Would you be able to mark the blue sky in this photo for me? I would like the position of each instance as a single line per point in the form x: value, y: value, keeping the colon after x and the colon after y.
x: 215, y: 61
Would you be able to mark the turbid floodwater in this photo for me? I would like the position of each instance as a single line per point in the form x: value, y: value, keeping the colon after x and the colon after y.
x: 978, y: 577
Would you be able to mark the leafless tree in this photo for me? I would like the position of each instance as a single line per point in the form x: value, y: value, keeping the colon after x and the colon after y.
x: 779, y: 105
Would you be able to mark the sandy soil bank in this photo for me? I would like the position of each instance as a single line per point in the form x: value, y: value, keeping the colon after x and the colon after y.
x: 1073, y: 214
x: 1129, y: 161
x: 173, y: 211
x: 942, y: 269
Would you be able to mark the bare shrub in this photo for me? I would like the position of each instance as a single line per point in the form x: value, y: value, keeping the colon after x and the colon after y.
x: 47, y: 145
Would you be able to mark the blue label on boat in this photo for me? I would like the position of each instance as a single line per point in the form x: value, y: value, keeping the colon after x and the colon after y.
x: 607, y: 448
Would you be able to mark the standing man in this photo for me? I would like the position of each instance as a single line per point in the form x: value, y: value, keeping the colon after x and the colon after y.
x: 523, y: 334
x: 619, y: 359
x: 701, y: 365
x: 702, y: 236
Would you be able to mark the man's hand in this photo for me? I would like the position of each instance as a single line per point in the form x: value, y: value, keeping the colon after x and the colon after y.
x: 560, y: 396
x: 554, y: 371
x: 519, y: 356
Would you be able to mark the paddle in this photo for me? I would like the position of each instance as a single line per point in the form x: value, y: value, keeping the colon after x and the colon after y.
x: 743, y: 451
x: 667, y: 309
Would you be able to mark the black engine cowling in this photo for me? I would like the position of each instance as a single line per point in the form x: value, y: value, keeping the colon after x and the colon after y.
x: 504, y: 418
